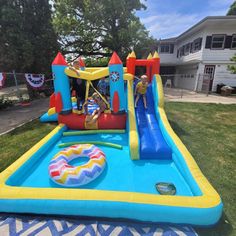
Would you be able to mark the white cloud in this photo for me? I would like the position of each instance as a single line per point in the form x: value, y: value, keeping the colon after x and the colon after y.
x: 149, y: 19
x: 169, y: 25
x: 164, y: 24
x: 173, y: 24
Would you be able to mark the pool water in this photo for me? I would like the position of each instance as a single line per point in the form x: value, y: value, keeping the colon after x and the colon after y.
x: 120, y: 174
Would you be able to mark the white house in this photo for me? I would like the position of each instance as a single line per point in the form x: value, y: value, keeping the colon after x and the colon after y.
x: 205, y: 48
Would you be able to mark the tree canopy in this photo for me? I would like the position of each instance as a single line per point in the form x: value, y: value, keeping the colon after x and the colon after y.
x: 232, y: 9
x: 232, y: 68
x: 28, y: 42
x: 98, y: 27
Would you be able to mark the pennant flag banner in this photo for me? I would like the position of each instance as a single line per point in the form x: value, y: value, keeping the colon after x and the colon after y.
x: 35, y: 80
x: 2, y: 79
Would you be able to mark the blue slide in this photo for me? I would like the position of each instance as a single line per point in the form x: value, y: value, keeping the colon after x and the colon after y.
x: 152, y: 143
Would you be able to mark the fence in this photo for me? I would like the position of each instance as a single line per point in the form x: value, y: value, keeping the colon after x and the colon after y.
x: 204, y: 83
x: 16, y: 88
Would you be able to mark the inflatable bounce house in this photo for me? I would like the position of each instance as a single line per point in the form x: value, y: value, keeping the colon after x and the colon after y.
x: 117, y: 161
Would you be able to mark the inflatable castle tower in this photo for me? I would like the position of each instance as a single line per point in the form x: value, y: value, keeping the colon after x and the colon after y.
x: 60, y: 101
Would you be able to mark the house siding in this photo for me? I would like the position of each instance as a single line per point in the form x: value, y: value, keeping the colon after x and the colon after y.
x: 194, y: 56
x: 206, y: 56
x: 218, y: 55
x: 222, y: 75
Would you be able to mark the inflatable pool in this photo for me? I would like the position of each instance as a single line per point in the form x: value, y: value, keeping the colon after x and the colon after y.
x: 149, y: 174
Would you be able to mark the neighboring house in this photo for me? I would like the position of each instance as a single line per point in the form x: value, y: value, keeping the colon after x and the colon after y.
x: 205, y: 48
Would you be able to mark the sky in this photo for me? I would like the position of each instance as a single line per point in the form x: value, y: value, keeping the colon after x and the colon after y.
x: 170, y: 18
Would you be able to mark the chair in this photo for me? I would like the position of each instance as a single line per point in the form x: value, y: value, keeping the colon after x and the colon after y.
x: 168, y: 83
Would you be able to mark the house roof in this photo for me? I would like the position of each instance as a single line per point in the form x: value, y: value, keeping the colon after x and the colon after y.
x: 200, y: 24
x: 169, y: 40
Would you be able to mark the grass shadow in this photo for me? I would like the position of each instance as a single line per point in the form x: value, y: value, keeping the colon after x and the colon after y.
x: 223, y: 227
x: 178, y: 130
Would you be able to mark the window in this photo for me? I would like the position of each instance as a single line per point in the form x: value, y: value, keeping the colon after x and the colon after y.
x: 181, y: 51
x: 186, y: 49
x: 166, y: 48
x: 191, y: 47
x: 197, y: 45
x: 233, y: 44
x: 218, y: 41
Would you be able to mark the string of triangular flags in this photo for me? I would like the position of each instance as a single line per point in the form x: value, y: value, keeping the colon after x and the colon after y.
x: 34, y: 80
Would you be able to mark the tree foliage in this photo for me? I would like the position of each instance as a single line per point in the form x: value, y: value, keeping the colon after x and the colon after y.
x: 232, y: 9
x: 28, y: 42
x: 98, y: 27
x: 232, y: 68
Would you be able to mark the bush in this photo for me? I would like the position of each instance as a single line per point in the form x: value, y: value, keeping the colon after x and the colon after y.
x: 5, y: 102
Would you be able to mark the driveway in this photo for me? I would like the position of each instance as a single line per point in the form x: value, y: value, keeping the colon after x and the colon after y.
x: 17, y: 115
x: 183, y: 95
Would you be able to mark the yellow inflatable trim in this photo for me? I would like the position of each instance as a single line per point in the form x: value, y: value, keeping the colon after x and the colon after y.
x: 92, y: 69
x: 210, y: 198
x: 133, y: 132
x: 51, y: 111
x: 95, y: 74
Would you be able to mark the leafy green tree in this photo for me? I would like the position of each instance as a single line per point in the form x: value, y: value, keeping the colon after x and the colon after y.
x: 232, y: 68
x: 28, y: 42
x: 39, y: 29
x: 232, y: 9
x: 98, y: 27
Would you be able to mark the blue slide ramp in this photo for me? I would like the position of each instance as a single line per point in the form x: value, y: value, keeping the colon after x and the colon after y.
x: 152, y: 143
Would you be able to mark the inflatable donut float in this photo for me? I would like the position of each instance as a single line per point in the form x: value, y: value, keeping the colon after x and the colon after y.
x: 72, y: 176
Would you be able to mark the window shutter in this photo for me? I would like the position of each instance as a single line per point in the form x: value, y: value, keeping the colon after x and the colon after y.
x: 191, y: 47
x: 228, y: 41
x: 172, y: 48
x: 200, y: 43
x: 208, y: 42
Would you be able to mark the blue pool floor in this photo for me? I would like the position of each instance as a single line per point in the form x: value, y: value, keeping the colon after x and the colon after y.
x: 120, y: 174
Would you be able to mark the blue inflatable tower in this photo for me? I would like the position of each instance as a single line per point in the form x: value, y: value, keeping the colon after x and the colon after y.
x: 61, y: 83
x: 117, y: 92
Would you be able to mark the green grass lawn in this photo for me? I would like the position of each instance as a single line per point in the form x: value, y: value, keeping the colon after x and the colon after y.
x: 17, y: 142
x: 208, y: 131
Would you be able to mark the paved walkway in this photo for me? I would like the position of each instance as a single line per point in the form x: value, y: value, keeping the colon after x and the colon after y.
x: 17, y: 115
x: 181, y: 95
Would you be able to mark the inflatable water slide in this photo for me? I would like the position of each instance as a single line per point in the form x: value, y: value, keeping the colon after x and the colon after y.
x: 127, y: 163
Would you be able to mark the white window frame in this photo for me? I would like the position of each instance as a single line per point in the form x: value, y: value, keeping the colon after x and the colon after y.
x: 165, y: 45
x: 233, y: 41
x: 196, y: 45
x: 187, y: 52
x: 212, y: 41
